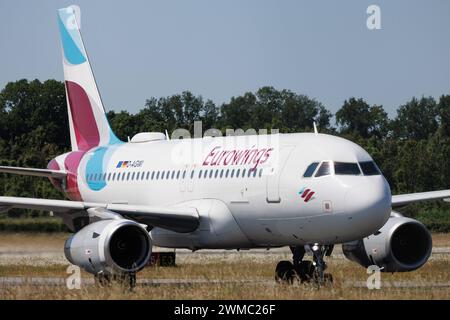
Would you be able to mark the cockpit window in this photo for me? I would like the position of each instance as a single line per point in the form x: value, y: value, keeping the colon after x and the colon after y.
x: 324, y: 169
x: 369, y: 168
x: 310, y: 170
x: 346, y: 168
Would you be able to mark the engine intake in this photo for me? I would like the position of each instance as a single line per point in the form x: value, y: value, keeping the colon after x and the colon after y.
x: 402, y: 244
x: 110, y: 246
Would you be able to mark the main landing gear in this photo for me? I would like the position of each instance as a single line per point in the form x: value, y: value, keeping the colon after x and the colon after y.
x: 125, y: 280
x: 305, y: 271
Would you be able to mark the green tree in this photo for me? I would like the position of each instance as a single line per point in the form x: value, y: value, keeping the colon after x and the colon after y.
x: 417, y: 119
x: 443, y: 110
x: 357, y: 117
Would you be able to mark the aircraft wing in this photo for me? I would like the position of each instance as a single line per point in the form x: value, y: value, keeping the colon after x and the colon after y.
x: 404, y: 199
x: 179, y: 219
x: 58, y: 174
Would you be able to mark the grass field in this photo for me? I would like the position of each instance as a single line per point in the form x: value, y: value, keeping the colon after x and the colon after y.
x: 227, y: 276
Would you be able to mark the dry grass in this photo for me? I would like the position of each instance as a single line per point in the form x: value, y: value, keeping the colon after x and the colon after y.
x: 11, y: 242
x: 346, y: 275
x: 441, y: 239
x: 223, y: 278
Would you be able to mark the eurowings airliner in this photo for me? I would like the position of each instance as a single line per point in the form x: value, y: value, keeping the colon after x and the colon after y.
x: 306, y: 191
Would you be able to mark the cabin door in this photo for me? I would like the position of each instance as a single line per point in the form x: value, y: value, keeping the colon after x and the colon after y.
x: 273, y: 174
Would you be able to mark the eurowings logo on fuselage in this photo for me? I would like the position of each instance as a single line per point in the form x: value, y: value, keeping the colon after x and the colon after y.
x: 252, y: 156
x: 307, y: 194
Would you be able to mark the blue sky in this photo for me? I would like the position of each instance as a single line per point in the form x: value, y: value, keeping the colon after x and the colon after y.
x: 220, y: 49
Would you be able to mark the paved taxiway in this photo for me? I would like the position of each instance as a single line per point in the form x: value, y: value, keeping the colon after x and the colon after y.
x: 35, y: 257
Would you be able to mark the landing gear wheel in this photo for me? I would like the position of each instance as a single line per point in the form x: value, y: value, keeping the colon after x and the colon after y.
x: 127, y: 279
x: 132, y: 280
x: 328, y: 279
x: 284, y: 272
x: 305, y: 270
x: 106, y: 280
x: 102, y: 280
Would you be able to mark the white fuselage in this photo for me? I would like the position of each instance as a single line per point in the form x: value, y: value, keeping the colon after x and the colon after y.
x: 238, y: 209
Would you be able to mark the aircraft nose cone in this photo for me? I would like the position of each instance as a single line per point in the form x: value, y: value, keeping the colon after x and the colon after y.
x: 369, y: 205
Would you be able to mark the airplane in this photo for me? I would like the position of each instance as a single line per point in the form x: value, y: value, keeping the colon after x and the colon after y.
x: 305, y: 191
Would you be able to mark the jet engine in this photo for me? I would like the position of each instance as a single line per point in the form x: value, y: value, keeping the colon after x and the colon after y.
x: 402, y: 244
x: 116, y: 246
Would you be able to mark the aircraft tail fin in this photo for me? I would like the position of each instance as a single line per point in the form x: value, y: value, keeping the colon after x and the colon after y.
x: 89, y: 126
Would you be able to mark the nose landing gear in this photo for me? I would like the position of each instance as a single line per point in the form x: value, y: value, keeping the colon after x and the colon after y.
x: 305, y: 271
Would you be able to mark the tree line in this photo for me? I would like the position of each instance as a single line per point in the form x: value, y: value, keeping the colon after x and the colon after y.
x: 412, y: 149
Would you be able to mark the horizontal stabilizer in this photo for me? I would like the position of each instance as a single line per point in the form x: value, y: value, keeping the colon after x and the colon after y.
x: 57, y: 174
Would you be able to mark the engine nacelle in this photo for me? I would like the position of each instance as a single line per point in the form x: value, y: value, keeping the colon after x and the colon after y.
x: 402, y: 244
x: 110, y: 246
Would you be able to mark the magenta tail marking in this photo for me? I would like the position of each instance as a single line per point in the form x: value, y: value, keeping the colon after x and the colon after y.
x: 85, y: 127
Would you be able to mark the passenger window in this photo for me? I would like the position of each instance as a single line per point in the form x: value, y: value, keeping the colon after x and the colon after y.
x: 173, y: 174
x: 217, y: 173
x: 192, y: 174
x: 346, y: 168
x: 114, y: 176
x: 178, y: 174
x: 226, y: 173
x: 205, y: 173
x: 211, y: 173
x: 324, y: 169
x: 157, y: 175
x: 132, y: 176
x: 221, y: 173
x: 243, y: 173
x: 310, y: 170
x: 237, y: 173
x: 369, y: 168
x: 200, y: 174
x: 260, y: 172
x: 232, y: 173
